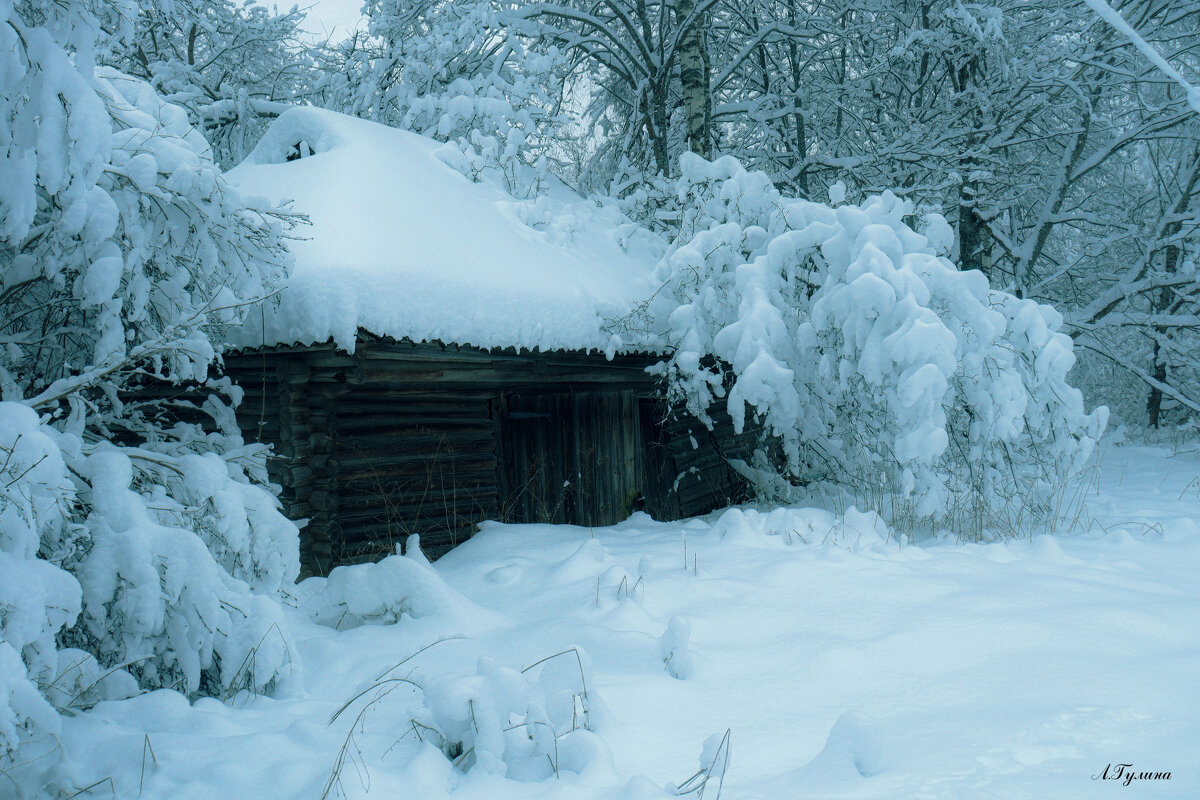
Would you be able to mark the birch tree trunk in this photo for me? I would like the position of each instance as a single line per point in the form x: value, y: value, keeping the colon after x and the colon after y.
x: 694, y: 77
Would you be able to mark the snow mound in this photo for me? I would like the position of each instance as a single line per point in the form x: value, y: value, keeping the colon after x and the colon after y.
x: 854, y: 530
x: 674, y: 646
x: 852, y: 751
x: 403, y: 245
x: 381, y: 593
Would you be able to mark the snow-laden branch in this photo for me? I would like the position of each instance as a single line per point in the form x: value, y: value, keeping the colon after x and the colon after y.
x: 1145, y: 377
x: 644, y: 65
x: 230, y: 109
x: 1114, y: 18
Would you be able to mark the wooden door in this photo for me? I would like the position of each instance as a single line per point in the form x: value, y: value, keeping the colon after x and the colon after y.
x: 569, y: 457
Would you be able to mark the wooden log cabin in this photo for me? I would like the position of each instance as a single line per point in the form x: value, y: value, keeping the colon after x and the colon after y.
x: 428, y: 438
x: 434, y: 362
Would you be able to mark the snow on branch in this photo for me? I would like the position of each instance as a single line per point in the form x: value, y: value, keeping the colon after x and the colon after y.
x: 1114, y: 18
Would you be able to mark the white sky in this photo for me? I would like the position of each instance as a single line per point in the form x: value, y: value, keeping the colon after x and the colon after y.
x: 332, y: 18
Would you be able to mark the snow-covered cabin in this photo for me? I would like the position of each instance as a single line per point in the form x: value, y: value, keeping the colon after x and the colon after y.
x: 445, y: 353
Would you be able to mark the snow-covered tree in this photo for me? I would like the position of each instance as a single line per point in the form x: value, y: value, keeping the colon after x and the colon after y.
x: 648, y: 64
x: 1031, y: 125
x: 450, y: 71
x: 138, y: 545
x: 233, y: 65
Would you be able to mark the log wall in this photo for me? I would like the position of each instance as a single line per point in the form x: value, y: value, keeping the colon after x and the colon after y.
x: 403, y: 438
x: 701, y: 478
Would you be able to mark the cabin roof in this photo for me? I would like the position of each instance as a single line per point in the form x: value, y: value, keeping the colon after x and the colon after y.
x: 401, y: 245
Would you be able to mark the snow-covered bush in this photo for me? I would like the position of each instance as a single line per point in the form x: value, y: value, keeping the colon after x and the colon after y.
x: 97, y: 595
x: 524, y: 725
x: 851, y: 530
x: 869, y: 358
x: 127, y: 534
x: 37, y: 598
x: 84, y: 531
x: 502, y: 721
x: 153, y: 595
x: 136, y: 249
x: 674, y: 645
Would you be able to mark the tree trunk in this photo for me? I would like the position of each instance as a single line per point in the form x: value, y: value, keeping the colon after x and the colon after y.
x: 973, y: 240
x: 656, y: 129
x: 801, y: 134
x: 1158, y: 371
x: 694, y: 77
x: 1158, y: 366
x: 1172, y: 260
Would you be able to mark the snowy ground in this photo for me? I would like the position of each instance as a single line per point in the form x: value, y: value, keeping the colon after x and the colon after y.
x: 843, y: 665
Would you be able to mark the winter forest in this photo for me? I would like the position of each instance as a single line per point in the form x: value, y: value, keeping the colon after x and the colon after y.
x: 936, y: 260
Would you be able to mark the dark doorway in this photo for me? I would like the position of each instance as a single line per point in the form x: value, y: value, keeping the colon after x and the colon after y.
x: 574, y: 458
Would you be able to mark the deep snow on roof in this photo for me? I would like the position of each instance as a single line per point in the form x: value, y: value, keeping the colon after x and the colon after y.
x: 403, y: 245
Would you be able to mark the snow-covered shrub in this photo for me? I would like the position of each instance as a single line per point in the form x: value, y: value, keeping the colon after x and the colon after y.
x: 115, y: 581
x: 870, y: 359
x: 673, y: 645
x: 852, y: 530
x: 714, y: 765
x: 82, y: 682
x: 154, y: 597
x: 143, y: 254
x: 25, y: 715
x: 502, y: 721
x: 212, y: 483
x: 232, y: 66
x: 523, y: 725
x: 37, y: 598
x: 146, y: 542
